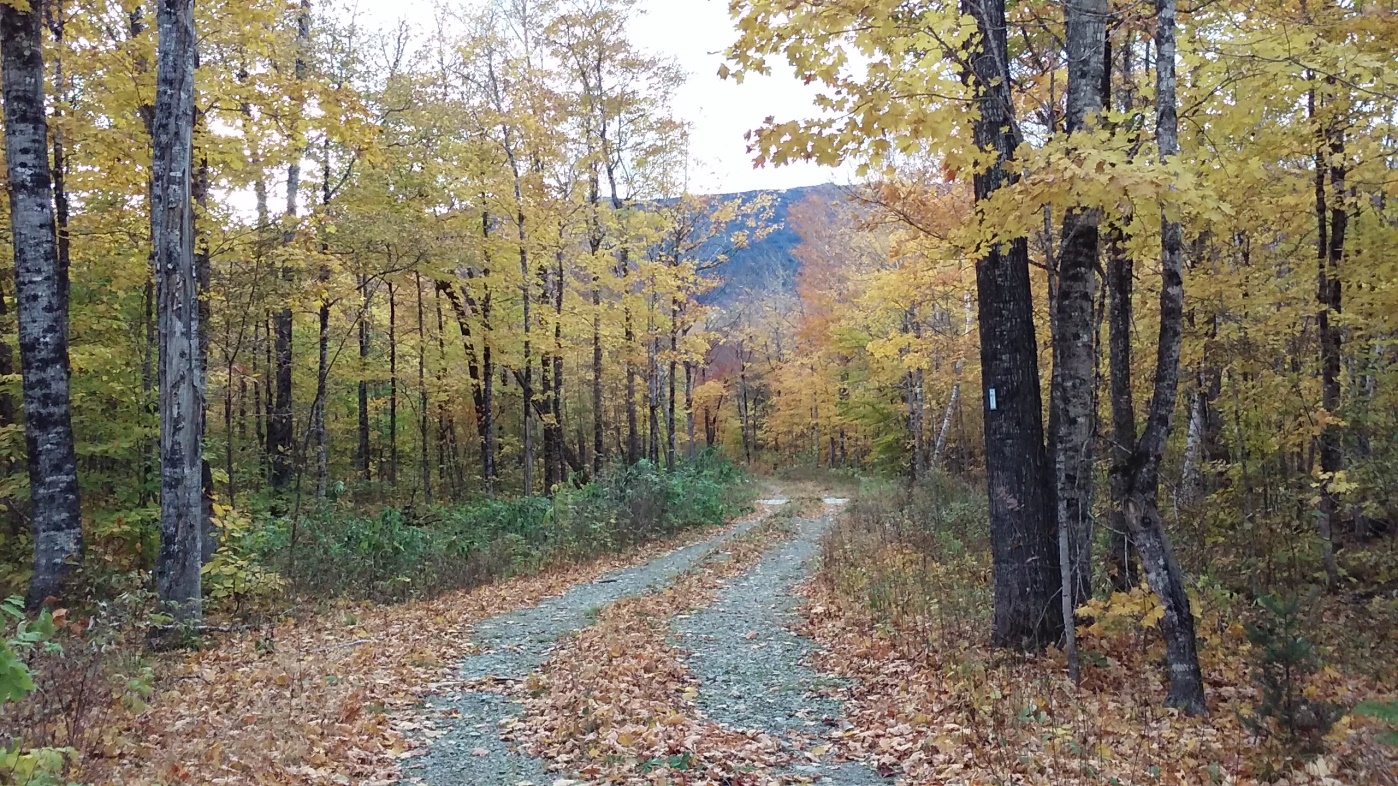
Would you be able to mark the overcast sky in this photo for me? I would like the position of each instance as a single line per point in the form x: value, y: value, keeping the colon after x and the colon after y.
x: 695, y: 32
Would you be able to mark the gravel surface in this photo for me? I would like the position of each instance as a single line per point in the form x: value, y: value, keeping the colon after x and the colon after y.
x: 469, y: 750
x: 750, y: 666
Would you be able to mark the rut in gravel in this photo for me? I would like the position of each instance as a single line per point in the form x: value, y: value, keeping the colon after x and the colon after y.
x: 748, y: 664
x: 751, y: 666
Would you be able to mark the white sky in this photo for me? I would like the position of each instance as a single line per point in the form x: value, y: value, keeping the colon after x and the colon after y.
x: 696, y: 32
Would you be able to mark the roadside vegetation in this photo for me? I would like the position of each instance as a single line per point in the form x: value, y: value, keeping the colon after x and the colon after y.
x: 1300, y: 682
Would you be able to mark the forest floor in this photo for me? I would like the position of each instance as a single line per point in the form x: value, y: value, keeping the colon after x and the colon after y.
x: 673, y: 663
x: 706, y: 659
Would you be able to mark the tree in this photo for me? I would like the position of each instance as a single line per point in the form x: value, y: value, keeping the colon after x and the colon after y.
x: 177, y: 568
x: 41, y: 290
x: 1072, y: 401
x: 1017, y: 467
x: 1142, y: 512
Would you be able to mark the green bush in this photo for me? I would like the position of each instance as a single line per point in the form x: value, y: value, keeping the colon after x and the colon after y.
x: 399, y: 554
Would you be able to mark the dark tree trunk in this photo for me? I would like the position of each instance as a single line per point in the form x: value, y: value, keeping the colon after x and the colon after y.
x: 363, y: 450
x: 262, y: 348
x: 322, y: 435
x: 41, y: 306
x: 279, y: 422
x: 450, y: 470
x: 599, y: 448
x: 1330, y: 249
x: 280, y: 426
x: 551, y: 470
x: 527, y: 367
x: 392, y: 387
x: 203, y: 261
x: 177, y: 574
x: 633, y: 434
x: 487, y: 413
x: 653, y: 400
x: 422, y: 396
x: 1024, y: 547
x: 482, y: 374
x: 1122, y: 568
x: 559, y: 442
x: 689, y: 408
x: 670, y: 444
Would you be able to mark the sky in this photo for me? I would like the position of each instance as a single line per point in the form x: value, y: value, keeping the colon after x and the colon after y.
x: 695, y: 33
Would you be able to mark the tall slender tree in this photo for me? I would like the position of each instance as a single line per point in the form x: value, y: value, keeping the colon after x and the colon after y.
x: 1071, y: 400
x: 1142, y: 512
x: 41, y: 293
x: 177, y: 281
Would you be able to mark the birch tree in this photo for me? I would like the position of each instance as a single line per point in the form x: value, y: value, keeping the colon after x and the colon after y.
x: 177, y: 281
x: 41, y: 290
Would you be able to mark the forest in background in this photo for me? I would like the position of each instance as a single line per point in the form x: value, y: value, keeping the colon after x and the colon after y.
x: 434, y: 265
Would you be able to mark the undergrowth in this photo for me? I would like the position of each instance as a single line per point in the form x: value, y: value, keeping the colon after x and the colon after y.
x: 397, y: 554
x: 902, y: 604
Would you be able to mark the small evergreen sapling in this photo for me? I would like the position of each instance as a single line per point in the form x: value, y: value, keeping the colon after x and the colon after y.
x: 1284, y: 660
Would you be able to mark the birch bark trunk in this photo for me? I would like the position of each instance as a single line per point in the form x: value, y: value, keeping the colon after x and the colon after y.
x: 177, y: 569
x: 41, y: 306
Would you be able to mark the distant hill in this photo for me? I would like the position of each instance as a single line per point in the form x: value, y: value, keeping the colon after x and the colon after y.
x: 769, y: 262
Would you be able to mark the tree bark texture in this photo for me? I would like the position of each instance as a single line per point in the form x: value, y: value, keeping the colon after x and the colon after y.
x: 42, y: 306
x: 177, y: 574
x: 1075, y: 322
x: 1023, y: 543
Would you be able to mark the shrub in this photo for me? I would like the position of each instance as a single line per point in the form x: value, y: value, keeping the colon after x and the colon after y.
x: 399, y: 554
x: 60, y: 681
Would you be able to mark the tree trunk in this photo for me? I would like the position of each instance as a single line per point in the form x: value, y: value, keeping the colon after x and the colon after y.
x: 181, y: 375
x: 260, y: 409
x: 633, y: 434
x: 689, y: 409
x: 673, y: 366
x: 599, y: 448
x: 653, y: 398
x: 1024, y: 549
x: 203, y: 261
x: 482, y: 374
x: 41, y: 306
x: 363, y: 450
x: 1122, y: 570
x: 1330, y: 249
x: 551, y: 469
x: 487, y: 414
x: 556, y: 401
x: 1075, y: 322
x: 447, y: 477
x: 527, y: 367
x: 1142, y: 513
x: 422, y: 396
x: 318, y: 410
x: 1191, y: 470
x: 323, y: 341
x: 280, y: 425
x: 392, y: 387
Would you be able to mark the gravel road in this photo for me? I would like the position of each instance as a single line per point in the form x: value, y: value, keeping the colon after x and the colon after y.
x: 748, y: 664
